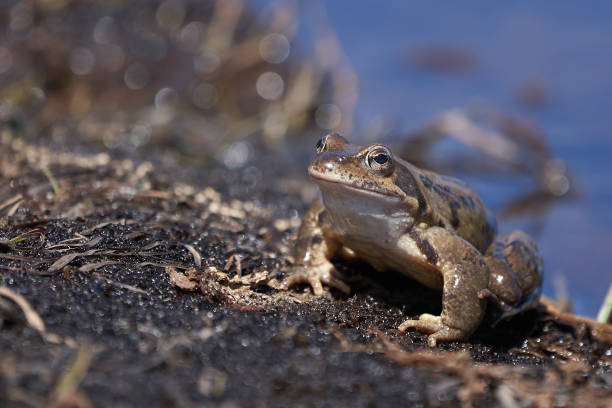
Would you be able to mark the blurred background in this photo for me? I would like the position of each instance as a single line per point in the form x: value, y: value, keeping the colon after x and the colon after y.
x: 514, y: 98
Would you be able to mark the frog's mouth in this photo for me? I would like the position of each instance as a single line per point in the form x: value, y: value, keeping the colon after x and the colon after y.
x: 363, y: 190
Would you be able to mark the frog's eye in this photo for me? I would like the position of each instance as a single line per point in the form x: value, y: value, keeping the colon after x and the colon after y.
x: 322, y: 144
x: 380, y: 159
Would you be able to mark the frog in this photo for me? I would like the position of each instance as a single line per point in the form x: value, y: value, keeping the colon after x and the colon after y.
x: 433, y: 228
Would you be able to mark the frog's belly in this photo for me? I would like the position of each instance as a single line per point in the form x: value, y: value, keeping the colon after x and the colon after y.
x: 405, y: 260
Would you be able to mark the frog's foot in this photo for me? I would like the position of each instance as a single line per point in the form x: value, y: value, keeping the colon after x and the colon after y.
x: 438, y: 330
x: 316, y: 276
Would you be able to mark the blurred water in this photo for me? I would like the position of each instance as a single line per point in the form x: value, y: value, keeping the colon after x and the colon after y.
x: 566, y: 46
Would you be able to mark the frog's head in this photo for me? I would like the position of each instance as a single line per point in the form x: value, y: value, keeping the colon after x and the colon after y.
x: 369, y: 173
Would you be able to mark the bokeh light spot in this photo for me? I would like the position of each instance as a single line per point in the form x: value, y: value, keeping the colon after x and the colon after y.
x: 192, y: 36
x: 236, y: 155
x: 206, y: 62
x: 81, y: 61
x: 104, y: 31
x: 274, y: 48
x: 166, y: 98
x: 270, y: 86
x: 136, y: 76
x: 140, y: 134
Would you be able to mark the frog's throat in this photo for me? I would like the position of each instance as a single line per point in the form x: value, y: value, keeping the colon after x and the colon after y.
x: 388, y: 195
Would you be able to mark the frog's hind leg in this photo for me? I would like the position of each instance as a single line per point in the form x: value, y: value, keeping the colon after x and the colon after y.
x: 465, y: 275
x: 515, y: 280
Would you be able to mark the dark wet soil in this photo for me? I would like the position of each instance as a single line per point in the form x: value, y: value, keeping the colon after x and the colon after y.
x: 158, y: 285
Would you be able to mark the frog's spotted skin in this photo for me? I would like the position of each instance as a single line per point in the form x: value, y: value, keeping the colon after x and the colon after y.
x: 432, y: 228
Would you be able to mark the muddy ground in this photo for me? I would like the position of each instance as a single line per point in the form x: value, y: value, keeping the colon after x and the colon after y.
x: 157, y: 284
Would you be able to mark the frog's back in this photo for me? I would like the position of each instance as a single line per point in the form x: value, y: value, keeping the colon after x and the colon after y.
x: 455, y: 206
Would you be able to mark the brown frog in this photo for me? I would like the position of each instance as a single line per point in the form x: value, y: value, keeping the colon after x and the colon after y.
x: 430, y: 227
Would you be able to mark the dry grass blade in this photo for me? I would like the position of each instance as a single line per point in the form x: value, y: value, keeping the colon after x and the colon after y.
x: 11, y: 201
x: 75, y: 242
x: 163, y: 264
x: 66, y: 259
x: 90, y: 231
x: 96, y: 265
x: 31, y: 316
x: 151, y: 245
x: 22, y: 258
x: 197, y: 259
x: 14, y: 208
x: 52, y: 180
x: 131, y: 288
x: 93, y: 242
x: 605, y: 312
x: 35, y: 232
x: 65, y: 392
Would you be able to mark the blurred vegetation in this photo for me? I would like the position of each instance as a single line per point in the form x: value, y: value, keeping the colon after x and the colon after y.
x: 196, y: 76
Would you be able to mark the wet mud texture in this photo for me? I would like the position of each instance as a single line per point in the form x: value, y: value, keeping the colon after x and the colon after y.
x: 158, y: 285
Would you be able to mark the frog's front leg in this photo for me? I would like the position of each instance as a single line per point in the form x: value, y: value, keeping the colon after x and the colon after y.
x: 464, y: 274
x: 313, y: 250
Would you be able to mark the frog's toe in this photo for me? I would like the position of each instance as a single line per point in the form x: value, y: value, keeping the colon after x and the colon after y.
x: 433, y: 324
x: 335, y: 282
x: 316, y: 276
x: 426, y: 323
x: 446, y: 333
x: 308, y: 277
